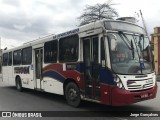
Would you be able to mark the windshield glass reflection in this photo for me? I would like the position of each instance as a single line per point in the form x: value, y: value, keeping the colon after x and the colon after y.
x: 132, y: 54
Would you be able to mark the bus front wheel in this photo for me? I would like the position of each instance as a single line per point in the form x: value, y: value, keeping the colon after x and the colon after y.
x: 72, y: 94
x: 19, y: 84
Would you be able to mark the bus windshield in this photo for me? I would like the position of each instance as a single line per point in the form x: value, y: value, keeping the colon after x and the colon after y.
x: 131, y: 55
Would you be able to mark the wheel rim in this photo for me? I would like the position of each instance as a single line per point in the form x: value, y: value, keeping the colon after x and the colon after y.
x: 72, y: 94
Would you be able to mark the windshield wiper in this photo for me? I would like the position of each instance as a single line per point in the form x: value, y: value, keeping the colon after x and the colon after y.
x: 122, y: 35
x: 138, y: 54
x: 129, y: 45
x: 132, y: 48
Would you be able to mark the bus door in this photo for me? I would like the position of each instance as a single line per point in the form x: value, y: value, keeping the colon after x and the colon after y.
x: 91, y: 67
x: 38, y: 67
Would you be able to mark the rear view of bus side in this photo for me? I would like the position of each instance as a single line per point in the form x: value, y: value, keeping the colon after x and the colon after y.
x: 108, y: 62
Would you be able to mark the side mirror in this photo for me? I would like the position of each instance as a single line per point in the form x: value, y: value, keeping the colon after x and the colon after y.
x: 113, y: 41
x: 113, y: 44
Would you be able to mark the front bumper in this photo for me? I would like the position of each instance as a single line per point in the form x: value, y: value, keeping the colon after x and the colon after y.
x: 120, y: 97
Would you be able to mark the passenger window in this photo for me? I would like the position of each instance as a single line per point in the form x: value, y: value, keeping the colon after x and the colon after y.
x: 50, y: 51
x: 10, y: 59
x: 27, y: 56
x: 5, y: 59
x: 17, y: 56
x: 68, y: 49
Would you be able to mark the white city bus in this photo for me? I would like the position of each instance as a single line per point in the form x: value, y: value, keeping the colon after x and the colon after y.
x: 108, y: 62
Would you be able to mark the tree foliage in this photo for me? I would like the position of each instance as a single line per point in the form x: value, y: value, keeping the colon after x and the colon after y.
x: 98, y: 12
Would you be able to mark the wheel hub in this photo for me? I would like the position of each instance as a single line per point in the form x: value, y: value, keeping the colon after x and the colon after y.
x: 72, y: 94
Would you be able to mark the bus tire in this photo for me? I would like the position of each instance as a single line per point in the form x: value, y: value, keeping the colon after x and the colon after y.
x: 19, y: 84
x: 72, y: 94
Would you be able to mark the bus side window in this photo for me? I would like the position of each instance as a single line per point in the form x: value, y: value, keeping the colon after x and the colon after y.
x: 50, y: 51
x: 10, y: 59
x: 17, y: 56
x: 27, y: 56
x: 5, y: 59
x: 68, y: 49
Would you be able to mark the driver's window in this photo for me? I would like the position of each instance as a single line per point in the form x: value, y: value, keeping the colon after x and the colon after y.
x: 103, y: 61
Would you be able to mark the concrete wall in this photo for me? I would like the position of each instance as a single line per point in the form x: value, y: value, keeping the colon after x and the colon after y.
x: 156, y: 42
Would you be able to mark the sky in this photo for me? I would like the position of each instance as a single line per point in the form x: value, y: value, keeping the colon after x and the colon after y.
x: 25, y: 20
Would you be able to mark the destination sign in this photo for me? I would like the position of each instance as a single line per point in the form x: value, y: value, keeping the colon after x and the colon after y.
x: 68, y: 33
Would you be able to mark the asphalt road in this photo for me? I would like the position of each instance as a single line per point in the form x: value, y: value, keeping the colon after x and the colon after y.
x: 29, y: 100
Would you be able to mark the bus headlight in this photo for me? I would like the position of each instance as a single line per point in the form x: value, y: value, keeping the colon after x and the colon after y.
x: 119, y: 85
x: 116, y: 79
x: 118, y: 82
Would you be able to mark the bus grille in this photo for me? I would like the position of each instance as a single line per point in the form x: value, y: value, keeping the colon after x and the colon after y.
x: 136, y: 85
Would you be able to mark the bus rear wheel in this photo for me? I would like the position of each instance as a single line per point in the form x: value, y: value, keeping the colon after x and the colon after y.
x: 72, y: 94
x: 19, y: 84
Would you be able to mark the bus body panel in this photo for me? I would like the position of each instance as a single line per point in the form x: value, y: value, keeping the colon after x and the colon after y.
x: 25, y: 72
x: 52, y: 85
x: 5, y: 76
x: 54, y: 76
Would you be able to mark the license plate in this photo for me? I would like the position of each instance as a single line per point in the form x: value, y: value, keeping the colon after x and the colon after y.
x: 144, y: 96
